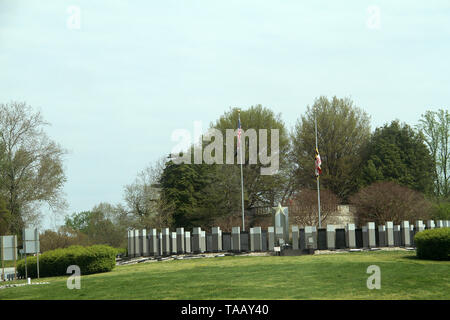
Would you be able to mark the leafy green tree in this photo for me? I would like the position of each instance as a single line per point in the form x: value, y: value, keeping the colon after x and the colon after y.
x: 5, y: 218
x: 31, y: 165
x: 435, y: 126
x: 397, y: 153
x: 343, y: 132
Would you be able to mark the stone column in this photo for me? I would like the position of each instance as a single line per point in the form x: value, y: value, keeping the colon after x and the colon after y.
x: 203, y: 241
x: 419, y: 226
x: 180, y: 241
x: 350, y: 235
x: 257, y: 238
x: 295, y: 237
x: 406, y: 241
x: 160, y: 244
x: 196, y: 241
x: 439, y: 224
x: 310, y: 238
x: 153, y: 242
x: 371, y: 234
x: 382, y: 235
x: 397, y: 236
x: 143, y: 242
x: 270, y: 238
x: 130, y: 243
x: 279, y: 235
x: 430, y: 224
x: 216, y: 239
x: 173, y: 243
x: 365, y: 236
x: 390, y: 234
x: 412, y: 232
x: 331, y: 237
x: 236, y: 239
x: 137, y: 244
x: 187, y: 242
x: 166, y: 241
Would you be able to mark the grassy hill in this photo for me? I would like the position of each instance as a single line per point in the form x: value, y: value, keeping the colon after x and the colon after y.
x: 335, y: 276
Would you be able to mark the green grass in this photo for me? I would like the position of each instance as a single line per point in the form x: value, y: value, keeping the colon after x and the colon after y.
x: 336, y: 276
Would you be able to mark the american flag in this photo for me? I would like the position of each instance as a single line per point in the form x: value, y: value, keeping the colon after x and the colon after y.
x: 318, y: 164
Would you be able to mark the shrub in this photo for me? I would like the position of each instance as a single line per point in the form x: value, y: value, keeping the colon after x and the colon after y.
x: 94, y: 259
x: 433, y: 244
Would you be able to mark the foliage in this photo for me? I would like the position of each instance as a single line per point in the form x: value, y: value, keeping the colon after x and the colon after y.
x: 303, y: 207
x: 433, y: 244
x: 441, y: 210
x: 343, y: 131
x: 389, y: 201
x: 435, y: 126
x: 64, y: 237
x: 94, y: 259
x: 31, y: 168
x: 5, y: 218
x: 397, y: 153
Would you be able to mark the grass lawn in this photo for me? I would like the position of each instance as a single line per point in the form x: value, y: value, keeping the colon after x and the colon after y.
x: 334, y: 276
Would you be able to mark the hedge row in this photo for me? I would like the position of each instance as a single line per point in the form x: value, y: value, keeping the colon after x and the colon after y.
x: 433, y: 244
x: 94, y: 259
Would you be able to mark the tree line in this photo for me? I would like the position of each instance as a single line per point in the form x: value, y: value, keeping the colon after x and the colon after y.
x: 394, y: 172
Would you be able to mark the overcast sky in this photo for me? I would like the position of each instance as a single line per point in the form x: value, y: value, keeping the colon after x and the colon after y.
x: 117, y: 84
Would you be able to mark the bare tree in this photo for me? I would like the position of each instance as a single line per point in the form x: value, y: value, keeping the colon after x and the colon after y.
x: 31, y: 166
x: 389, y: 201
x: 303, y: 207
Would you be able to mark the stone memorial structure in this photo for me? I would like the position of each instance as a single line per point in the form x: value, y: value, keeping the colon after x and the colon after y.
x: 390, y: 234
x: 160, y: 244
x: 173, y: 243
x: 331, y: 237
x: 310, y: 238
x: 270, y: 238
x: 365, y: 237
x: 130, y: 243
x: 397, y: 236
x: 137, y: 244
x: 439, y: 224
x: 430, y: 224
x: 382, y: 236
x: 405, y: 231
x: 350, y: 235
x: 295, y: 238
x: 216, y: 239
x: 143, y: 242
x: 371, y: 235
x: 153, y: 242
x: 180, y: 240
x: 203, y: 242
x: 281, y: 220
x: 196, y: 240
x: 236, y: 239
x: 279, y: 236
x: 166, y: 241
x: 419, y: 226
x: 187, y: 242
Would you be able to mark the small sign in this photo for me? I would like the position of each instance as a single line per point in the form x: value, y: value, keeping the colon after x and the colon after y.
x: 277, y: 249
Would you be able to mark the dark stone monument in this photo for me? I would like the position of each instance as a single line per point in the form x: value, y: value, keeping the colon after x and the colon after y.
x: 340, y: 239
x: 226, y: 241
x: 359, y: 238
x: 322, y: 239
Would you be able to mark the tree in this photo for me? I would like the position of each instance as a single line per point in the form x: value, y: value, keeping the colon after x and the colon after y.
x: 260, y: 190
x: 389, y: 201
x: 303, y: 207
x: 31, y: 165
x: 397, y: 153
x: 5, y: 218
x: 143, y: 195
x: 435, y: 126
x: 343, y: 132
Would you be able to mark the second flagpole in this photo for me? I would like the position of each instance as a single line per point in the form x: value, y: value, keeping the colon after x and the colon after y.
x: 242, y: 173
x: 318, y: 185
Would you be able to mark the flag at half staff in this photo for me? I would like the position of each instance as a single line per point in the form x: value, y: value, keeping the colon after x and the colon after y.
x: 318, y: 164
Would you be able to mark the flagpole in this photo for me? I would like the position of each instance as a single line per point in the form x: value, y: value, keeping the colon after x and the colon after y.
x: 242, y: 174
x: 318, y: 185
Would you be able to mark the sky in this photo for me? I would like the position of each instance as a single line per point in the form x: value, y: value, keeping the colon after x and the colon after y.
x: 116, y: 78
